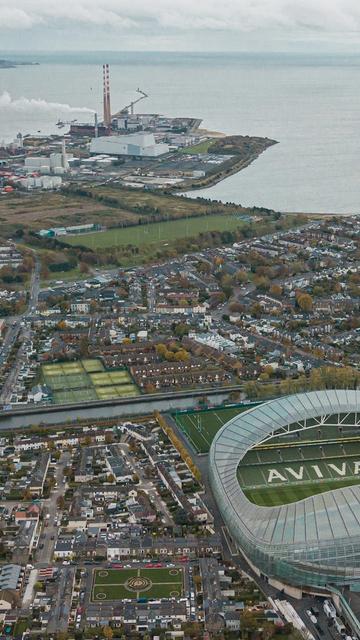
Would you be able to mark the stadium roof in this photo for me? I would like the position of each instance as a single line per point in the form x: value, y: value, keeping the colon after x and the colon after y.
x: 318, y: 520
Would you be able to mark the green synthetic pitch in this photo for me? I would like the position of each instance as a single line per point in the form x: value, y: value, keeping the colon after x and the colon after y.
x: 132, y: 584
x: 86, y: 380
x: 200, y: 427
x: 91, y: 365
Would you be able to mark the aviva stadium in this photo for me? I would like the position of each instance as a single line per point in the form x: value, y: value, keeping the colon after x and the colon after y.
x: 286, y: 478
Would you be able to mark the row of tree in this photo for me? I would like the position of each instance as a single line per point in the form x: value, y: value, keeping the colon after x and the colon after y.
x: 176, y: 442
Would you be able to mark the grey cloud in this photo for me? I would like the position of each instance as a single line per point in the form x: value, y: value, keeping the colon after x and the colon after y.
x: 180, y: 15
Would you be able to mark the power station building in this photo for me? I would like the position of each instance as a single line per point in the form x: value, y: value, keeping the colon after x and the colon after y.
x: 137, y: 144
x: 312, y: 544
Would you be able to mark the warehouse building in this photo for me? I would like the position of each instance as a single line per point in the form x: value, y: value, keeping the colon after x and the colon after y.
x: 137, y: 144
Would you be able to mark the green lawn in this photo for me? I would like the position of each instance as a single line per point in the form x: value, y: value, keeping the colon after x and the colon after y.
x: 157, y: 232
x: 121, y: 584
x: 202, y: 147
x: 200, y: 427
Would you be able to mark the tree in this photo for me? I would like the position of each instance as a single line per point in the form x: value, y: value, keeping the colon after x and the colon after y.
x: 61, y: 503
x: 182, y: 355
x: 84, y: 346
x: 276, y: 290
x: 249, y: 622
x: 84, y: 268
x: 262, y: 283
x: 181, y: 330
x: 38, y: 586
x: 305, y: 302
x: 241, y: 276
x: 108, y: 633
x: 235, y: 307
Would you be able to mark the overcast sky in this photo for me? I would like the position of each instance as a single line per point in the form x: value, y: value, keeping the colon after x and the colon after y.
x: 180, y: 25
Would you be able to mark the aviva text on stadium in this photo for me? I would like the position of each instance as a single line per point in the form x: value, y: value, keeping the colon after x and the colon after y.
x: 286, y: 477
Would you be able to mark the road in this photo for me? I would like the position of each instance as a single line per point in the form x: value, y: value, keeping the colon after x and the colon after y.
x: 15, y: 330
x: 147, y: 486
x: 49, y: 533
x: 59, y: 613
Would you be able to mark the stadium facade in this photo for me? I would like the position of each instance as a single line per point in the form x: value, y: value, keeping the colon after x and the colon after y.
x: 307, y: 545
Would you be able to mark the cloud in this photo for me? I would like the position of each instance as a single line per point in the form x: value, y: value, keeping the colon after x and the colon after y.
x: 23, y: 105
x: 180, y: 15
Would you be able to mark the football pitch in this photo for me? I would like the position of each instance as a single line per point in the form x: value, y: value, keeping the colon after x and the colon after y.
x: 132, y: 584
x: 200, y: 427
x: 309, y: 463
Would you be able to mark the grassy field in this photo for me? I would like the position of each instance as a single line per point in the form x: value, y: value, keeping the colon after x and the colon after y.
x: 42, y: 210
x: 132, y: 584
x: 275, y: 496
x: 86, y: 380
x: 202, y: 147
x: 289, y: 468
x: 156, y: 233
x: 200, y: 427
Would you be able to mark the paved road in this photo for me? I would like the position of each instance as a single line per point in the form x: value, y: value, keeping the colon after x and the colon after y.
x: 49, y: 533
x: 59, y: 613
x: 14, y: 331
x: 147, y: 486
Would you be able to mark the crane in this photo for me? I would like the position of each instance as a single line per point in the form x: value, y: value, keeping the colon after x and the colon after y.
x: 125, y: 110
x: 62, y: 123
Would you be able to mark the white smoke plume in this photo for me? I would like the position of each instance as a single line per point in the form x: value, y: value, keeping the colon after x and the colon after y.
x: 37, y: 105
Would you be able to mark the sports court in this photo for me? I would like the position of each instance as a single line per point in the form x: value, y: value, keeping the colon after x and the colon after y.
x: 86, y: 380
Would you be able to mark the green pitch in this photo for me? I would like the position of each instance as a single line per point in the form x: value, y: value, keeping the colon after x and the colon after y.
x: 200, y: 427
x: 273, y: 497
x: 92, y: 365
x: 132, y: 584
x: 288, y: 469
x: 86, y: 380
x: 156, y: 233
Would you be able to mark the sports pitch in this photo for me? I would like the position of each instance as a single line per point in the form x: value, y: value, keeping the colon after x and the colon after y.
x: 156, y: 232
x: 86, y: 380
x: 200, y: 427
x: 314, y: 461
x: 132, y: 584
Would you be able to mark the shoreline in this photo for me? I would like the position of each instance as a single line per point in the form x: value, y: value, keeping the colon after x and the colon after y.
x: 237, y: 165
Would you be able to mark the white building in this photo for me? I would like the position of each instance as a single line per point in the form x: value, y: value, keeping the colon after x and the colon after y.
x: 136, y: 144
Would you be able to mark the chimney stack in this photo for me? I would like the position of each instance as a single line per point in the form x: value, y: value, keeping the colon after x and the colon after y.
x: 107, y: 109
